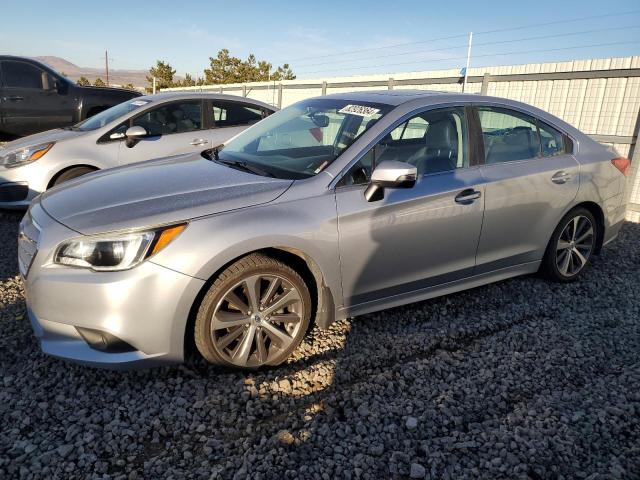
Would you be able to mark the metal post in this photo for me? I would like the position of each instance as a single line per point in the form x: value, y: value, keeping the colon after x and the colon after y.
x: 244, y: 90
x: 391, y: 83
x: 220, y: 89
x: 324, y: 88
x: 154, y: 85
x: 485, y: 84
x: 106, y: 65
x: 466, y: 69
x: 280, y: 95
x: 633, y: 204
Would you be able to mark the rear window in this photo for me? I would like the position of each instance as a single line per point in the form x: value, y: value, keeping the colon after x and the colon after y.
x: 508, y: 135
x: 552, y: 141
x: 228, y: 114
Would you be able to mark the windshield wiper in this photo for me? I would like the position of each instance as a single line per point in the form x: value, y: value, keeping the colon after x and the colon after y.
x: 247, y: 167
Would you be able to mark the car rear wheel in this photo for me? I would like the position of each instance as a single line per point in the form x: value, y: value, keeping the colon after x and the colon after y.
x: 571, y: 246
x: 255, y: 313
x: 71, y: 174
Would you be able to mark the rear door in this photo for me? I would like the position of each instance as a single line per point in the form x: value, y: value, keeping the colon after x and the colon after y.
x: 230, y: 118
x: 173, y: 128
x: 31, y: 102
x: 531, y: 176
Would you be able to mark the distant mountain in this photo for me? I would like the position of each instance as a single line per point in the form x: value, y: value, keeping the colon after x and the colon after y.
x: 116, y: 76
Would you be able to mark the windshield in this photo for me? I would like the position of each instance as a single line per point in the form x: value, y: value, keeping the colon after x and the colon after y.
x: 302, y: 140
x: 105, y: 117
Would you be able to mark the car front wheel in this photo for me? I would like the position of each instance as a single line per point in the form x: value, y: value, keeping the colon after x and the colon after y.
x: 256, y: 313
x: 72, y: 173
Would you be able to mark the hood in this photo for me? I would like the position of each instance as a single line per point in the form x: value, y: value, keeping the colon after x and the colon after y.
x: 44, y: 137
x: 157, y: 192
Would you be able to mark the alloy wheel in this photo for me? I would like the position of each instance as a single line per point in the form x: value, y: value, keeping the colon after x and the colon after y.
x: 575, y: 245
x: 257, y: 320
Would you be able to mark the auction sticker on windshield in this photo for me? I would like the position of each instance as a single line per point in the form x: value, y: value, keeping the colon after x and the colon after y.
x: 361, y: 110
x: 140, y: 103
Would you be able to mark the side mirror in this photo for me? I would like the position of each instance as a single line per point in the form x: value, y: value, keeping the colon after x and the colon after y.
x: 390, y: 174
x: 61, y: 87
x: 134, y: 134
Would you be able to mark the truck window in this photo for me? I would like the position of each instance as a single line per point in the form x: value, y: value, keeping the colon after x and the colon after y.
x: 22, y: 75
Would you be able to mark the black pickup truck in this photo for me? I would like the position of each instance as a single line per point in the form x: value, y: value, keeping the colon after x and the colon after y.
x: 35, y: 98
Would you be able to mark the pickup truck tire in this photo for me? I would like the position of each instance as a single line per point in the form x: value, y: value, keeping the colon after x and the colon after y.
x: 71, y: 173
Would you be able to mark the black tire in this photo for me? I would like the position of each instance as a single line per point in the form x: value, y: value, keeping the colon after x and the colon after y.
x: 234, y: 282
x: 557, y: 254
x: 71, y: 174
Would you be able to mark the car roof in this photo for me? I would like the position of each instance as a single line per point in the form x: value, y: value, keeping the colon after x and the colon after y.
x: 395, y: 97
x: 16, y: 57
x: 424, y: 98
x: 167, y: 96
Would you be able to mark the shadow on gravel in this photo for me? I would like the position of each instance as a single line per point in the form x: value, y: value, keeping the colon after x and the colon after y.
x: 520, y: 379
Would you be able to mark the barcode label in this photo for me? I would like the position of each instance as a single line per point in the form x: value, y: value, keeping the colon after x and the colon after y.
x: 360, y: 110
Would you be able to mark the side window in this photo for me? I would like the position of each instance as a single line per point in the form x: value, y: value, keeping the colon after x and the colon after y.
x: 552, y: 140
x: 413, y: 128
x: 508, y: 135
x: 178, y: 117
x: 22, y: 75
x: 434, y: 141
x: 226, y: 114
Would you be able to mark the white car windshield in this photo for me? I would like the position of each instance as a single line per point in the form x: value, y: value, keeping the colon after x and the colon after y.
x: 107, y: 116
x: 301, y: 140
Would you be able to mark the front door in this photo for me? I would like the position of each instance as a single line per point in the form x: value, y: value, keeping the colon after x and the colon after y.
x: 417, y: 237
x: 531, y: 176
x: 173, y: 128
x: 31, y: 102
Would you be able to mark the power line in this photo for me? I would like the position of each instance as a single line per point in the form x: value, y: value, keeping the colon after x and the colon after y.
x: 415, y: 52
x: 486, y: 32
x: 464, y: 35
x: 480, y: 56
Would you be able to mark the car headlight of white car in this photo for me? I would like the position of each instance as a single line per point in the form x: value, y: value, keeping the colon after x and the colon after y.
x: 20, y: 156
x: 113, y: 252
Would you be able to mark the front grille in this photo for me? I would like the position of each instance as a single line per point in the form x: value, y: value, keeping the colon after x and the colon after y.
x: 27, y: 243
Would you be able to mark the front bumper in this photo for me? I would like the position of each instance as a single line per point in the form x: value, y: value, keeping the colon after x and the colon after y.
x: 147, y: 307
x: 20, y: 185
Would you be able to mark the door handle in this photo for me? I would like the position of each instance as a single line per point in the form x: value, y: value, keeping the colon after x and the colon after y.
x: 199, y: 141
x: 561, y: 177
x: 13, y: 98
x: 468, y: 196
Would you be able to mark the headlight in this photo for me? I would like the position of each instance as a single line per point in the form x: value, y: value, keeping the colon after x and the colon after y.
x: 115, y: 252
x: 21, y: 156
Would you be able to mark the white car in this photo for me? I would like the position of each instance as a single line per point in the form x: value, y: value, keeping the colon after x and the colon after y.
x: 139, y: 129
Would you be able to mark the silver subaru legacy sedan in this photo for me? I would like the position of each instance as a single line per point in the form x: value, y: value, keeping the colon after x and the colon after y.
x: 333, y: 207
x: 139, y: 129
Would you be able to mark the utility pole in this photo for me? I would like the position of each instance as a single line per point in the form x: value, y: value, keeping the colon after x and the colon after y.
x: 106, y: 65
x: 466, y: 69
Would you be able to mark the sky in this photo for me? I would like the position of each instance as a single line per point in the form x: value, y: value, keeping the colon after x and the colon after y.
x: 321, y: 39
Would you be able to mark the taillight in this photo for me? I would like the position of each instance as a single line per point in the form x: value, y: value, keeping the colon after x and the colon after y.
x: 623, y: 164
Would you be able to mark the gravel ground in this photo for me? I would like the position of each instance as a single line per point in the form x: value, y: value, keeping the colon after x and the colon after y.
x: 520, y: 379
